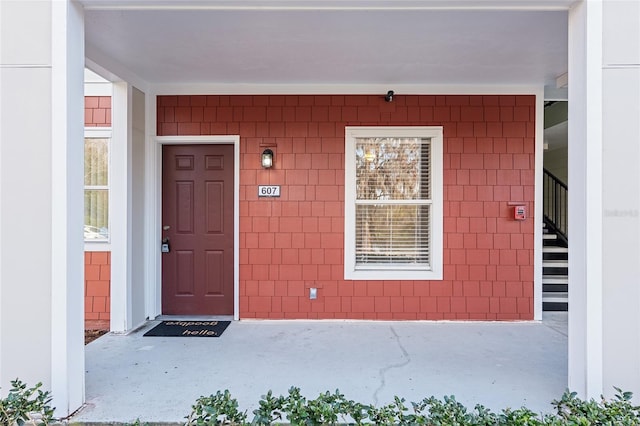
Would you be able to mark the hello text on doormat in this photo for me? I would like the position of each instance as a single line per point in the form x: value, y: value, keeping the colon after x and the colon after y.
x: 188, y: 329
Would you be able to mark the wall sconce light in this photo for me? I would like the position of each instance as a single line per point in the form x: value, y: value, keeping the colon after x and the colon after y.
x: 389, y: 96
x: 267, y: 158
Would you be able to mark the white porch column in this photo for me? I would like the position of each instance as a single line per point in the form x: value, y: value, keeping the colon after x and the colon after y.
x: 120, y: 208
x: 41, y: 177
x: 127, y: 208
x: 604, y: 198
x: 67, y: 180
x: 585, y: 198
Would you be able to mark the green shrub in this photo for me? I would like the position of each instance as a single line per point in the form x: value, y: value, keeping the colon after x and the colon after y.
x: 270, y: 409
x: 26, y: 405
x: 333, y: 408
x: 30, y: 406
x: 218, y: 409
x: 619, y: 411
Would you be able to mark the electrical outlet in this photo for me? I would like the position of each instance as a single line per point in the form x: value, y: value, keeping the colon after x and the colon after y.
x: 313, y: 293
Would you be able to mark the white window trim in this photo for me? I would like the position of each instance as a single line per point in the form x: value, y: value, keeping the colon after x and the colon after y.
x: 435, y: 133
x: 99, y: 133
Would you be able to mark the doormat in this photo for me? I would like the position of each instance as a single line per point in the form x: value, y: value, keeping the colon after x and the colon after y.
x: 188, y: 329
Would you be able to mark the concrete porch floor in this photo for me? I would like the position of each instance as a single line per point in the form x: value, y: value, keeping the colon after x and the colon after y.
x: 497, y: 364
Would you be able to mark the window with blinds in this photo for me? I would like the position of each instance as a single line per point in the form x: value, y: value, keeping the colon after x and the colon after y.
x: 391, y: 200
x: 96, y: 188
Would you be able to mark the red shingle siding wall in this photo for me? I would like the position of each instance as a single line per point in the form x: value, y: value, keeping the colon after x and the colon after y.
x: 97, y: 111
x: 295, y: 242
x: 97, y: 279
x: 97, y: 265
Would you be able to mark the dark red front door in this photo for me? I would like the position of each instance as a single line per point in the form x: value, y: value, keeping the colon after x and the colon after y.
x: 197, y: 218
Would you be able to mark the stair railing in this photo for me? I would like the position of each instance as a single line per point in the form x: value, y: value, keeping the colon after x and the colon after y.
x: 554, y: 204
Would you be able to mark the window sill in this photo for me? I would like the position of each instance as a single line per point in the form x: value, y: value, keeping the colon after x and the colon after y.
x: 392, y: 275
x: 97, y: 246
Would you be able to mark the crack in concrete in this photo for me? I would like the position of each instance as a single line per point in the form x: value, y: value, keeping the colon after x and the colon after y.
x: 384, y: 370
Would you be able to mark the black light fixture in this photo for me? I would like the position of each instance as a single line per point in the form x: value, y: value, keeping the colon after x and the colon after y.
x: 267, y: 158
x: 389, y: 96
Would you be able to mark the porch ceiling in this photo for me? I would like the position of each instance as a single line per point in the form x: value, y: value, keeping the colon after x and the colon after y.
x: 245, y: 43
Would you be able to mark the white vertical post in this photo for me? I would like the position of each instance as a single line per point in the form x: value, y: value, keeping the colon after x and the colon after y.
x: 153, y: 183
x: 537, y: 231
x: 66, y: 185
x: 585, y: 199
x: 120, y: 210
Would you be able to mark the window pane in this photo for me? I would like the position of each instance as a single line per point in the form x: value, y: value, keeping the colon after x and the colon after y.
x: 96, y: 162
x: 393, y: 169
x: 96, y: 214
x: 392, y: 234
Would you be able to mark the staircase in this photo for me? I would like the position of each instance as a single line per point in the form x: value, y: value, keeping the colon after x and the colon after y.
x: 555, y: 251
x: 555, y: 272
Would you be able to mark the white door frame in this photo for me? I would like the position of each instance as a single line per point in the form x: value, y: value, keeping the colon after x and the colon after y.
x: 154, y: 191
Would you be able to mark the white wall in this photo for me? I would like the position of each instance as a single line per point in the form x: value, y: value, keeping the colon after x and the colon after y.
x: 138, y: 224
x: 621, y: 196
x: 556, y: 161
x: 25, y: 193
x: 41, y: 140
x: 120, y: 208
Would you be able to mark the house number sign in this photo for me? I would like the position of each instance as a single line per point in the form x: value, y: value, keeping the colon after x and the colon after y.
x: 268, y: 190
